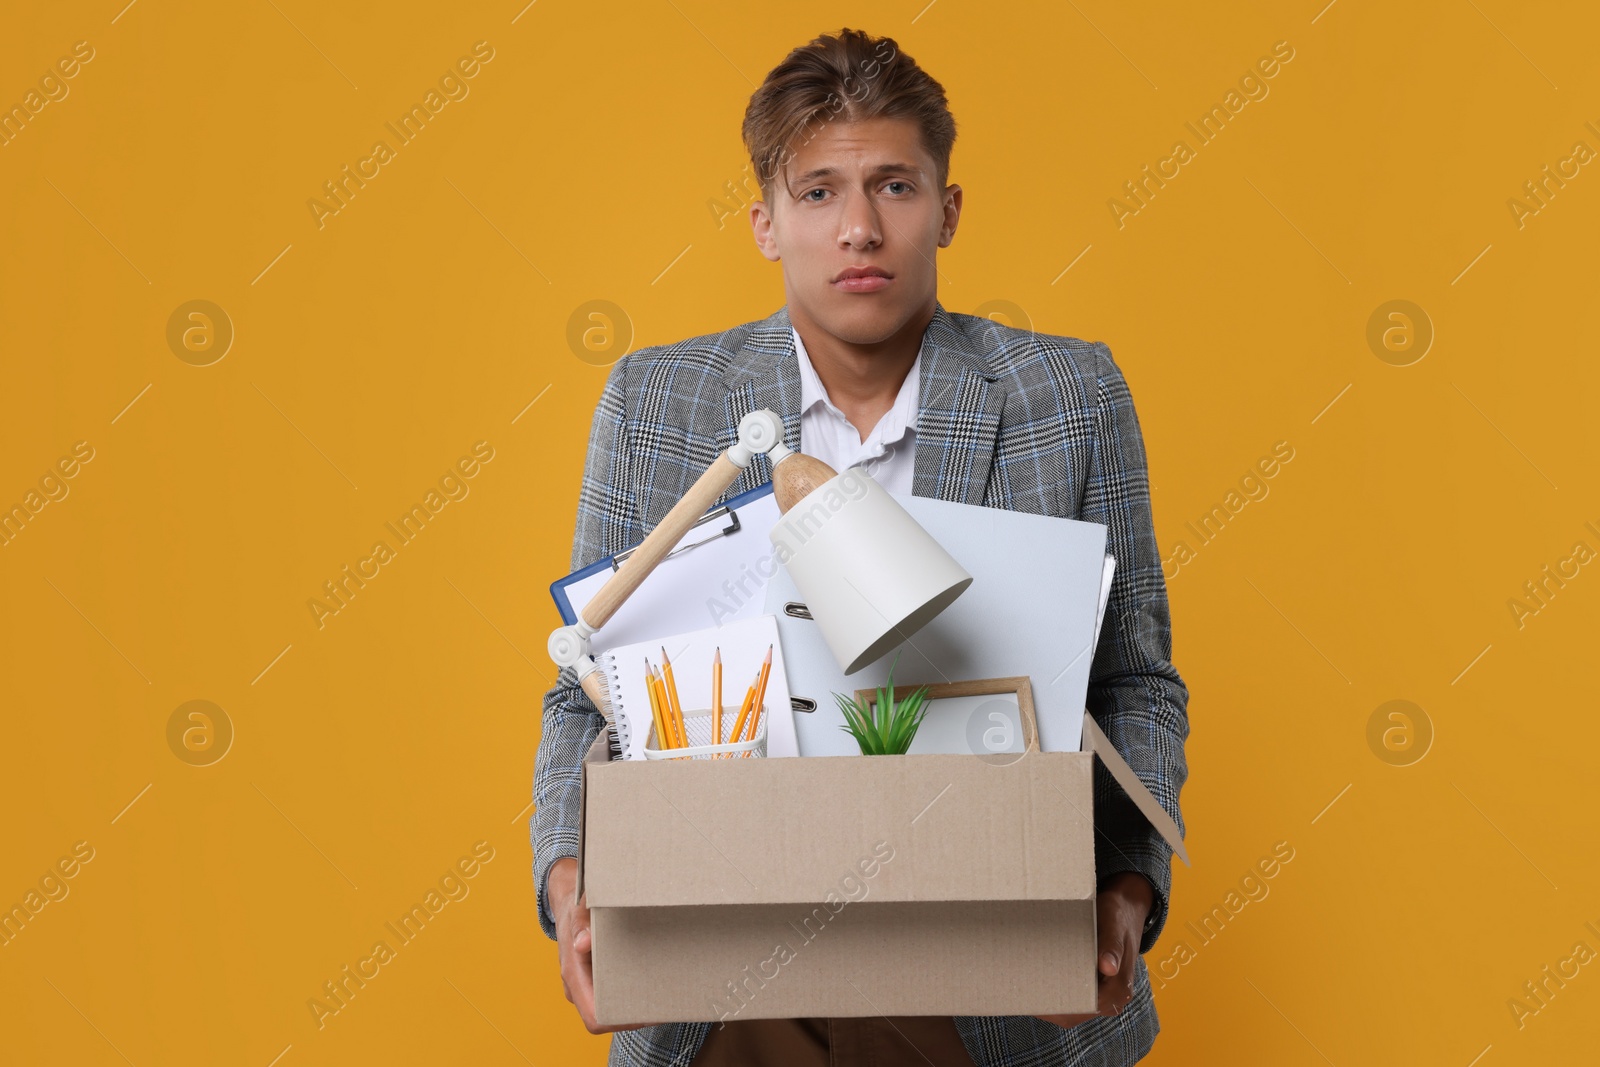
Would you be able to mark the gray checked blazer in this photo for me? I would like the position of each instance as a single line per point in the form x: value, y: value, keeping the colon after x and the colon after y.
x: 1007, y: 419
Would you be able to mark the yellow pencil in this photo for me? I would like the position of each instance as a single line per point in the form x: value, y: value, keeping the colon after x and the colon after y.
x: 716, y: 697
x: 655, y: 708
x: 660, y: 689
x: 663, y: 736
x: 761, y: 693
x: 744, y: 710
x: 673, y: 705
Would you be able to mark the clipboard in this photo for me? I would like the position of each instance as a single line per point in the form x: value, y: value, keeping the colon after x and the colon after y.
x: 717, y: 574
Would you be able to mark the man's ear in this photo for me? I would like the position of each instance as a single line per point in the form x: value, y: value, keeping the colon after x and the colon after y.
x: 952, y: 215
x: 761, y: 224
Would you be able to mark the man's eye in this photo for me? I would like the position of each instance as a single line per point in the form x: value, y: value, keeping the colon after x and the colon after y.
x: 807, y: 194
x: 908, y: 187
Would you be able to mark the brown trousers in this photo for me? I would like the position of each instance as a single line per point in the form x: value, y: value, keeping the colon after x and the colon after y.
x: 876, y: 1042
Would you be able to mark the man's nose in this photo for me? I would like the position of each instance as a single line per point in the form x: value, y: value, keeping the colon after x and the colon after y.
x: 860, y: 222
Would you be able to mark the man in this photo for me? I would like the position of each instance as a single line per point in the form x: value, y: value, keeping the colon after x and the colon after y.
x: 851, y: 142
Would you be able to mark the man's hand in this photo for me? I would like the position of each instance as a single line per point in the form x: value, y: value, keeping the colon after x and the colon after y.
x: 1120, y: 911
x: 574, y: 943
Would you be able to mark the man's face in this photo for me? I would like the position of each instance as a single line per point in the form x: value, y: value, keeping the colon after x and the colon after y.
x: 859, y: 194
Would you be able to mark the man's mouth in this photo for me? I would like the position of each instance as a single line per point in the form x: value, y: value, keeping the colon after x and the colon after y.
x: 862, y: 279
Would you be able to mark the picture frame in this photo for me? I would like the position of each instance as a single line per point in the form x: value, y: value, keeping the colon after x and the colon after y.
x: 1020, y: 685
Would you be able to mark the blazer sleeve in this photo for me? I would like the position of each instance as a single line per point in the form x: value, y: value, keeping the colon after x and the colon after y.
x: 1135, y: 694
x: 606, y: 516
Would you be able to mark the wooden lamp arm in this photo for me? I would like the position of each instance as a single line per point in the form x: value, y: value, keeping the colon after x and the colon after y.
x: 759, y: 432
x: 661, y: 540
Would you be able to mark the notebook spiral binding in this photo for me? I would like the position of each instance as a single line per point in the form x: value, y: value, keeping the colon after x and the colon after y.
x: 621, y: 732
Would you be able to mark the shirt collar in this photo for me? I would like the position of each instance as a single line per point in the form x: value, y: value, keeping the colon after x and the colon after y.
x: 902, y: 416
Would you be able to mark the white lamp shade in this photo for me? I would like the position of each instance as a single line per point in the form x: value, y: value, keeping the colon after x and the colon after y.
x: 870, y: 574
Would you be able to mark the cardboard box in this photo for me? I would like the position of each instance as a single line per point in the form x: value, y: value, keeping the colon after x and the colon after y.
x: 845, y: 885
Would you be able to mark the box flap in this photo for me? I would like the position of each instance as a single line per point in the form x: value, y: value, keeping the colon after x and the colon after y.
x: 884, y: 828
x: 1095, y: 740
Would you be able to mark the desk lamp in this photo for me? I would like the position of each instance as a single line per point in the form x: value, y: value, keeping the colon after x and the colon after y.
x: 870, y: 574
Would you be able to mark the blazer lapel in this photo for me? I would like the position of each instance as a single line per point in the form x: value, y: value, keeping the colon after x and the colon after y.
x: 958, y: 416
x: 958, y: 406
x: 763, y: 373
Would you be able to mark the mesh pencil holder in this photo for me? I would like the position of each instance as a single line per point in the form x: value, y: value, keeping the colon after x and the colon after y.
x: 697, y: 727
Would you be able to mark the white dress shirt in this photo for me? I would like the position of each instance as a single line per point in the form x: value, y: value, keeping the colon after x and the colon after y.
x: 888, y: 453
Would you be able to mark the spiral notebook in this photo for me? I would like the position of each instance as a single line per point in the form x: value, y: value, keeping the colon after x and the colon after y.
x: 744, y: 646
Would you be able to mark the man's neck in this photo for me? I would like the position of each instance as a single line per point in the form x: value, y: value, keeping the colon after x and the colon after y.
x: 862, y: 380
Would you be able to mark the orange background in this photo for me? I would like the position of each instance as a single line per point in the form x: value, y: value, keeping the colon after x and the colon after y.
x: 432, y: 312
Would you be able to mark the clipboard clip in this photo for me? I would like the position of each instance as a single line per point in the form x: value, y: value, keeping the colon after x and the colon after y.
x: 796, y: 610
x: 714, y: 515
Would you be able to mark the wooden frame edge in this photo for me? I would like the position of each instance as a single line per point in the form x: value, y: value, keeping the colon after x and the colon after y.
x: 1020, y: 684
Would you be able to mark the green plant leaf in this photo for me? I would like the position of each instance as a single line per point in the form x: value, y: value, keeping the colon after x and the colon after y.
x: 859, y: 722
x: 885, y: 726
x: 911, y: 714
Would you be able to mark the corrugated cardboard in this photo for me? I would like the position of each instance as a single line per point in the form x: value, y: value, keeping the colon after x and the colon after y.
x: 845, y: 885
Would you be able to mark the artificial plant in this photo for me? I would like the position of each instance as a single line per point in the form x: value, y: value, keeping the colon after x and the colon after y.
x: 884, y: 727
